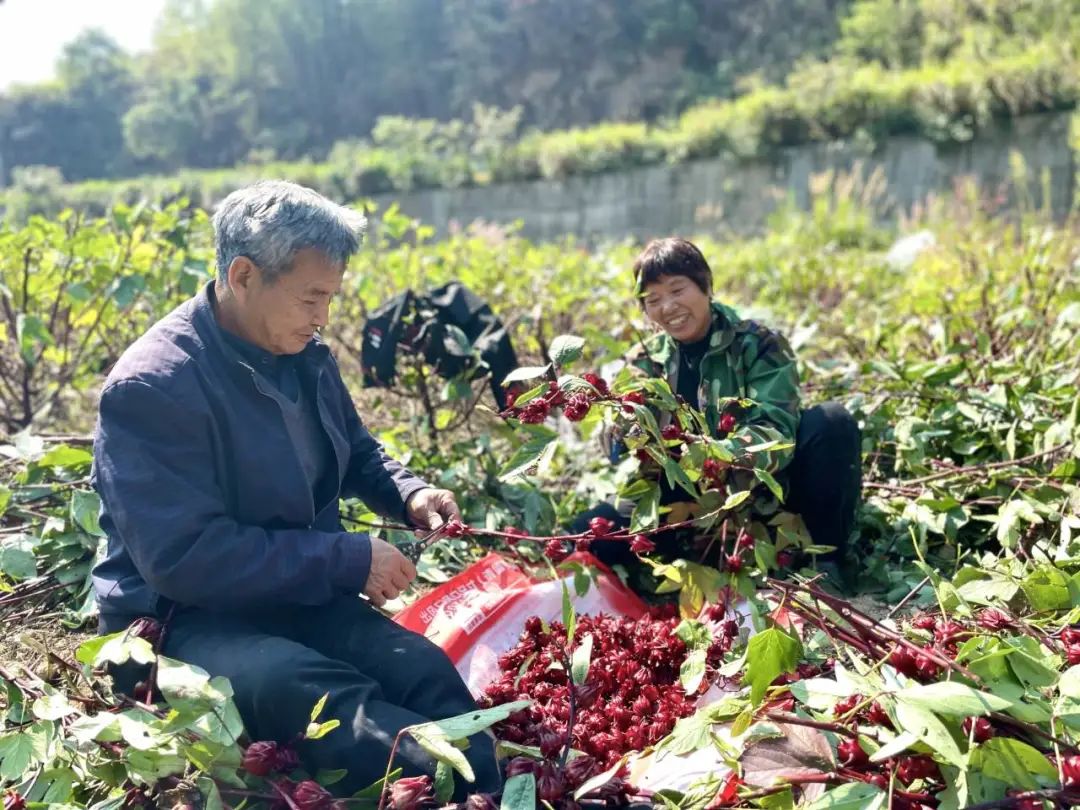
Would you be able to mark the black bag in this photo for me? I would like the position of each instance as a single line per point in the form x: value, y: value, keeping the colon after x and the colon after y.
x: 428, y: 324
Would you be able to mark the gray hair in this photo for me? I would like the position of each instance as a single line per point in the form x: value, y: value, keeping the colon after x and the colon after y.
x: 272, y: 220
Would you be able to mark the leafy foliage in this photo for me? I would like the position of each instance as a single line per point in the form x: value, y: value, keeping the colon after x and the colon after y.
x: 960, y: 364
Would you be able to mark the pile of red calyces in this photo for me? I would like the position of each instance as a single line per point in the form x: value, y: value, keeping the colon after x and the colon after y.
x: 630, y: 699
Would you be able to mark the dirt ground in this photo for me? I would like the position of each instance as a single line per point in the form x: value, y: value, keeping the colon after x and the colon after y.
x: 26, y: 640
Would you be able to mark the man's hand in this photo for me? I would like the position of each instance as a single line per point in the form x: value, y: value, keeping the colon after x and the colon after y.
x: 430, y: 508
x: 391, y: 572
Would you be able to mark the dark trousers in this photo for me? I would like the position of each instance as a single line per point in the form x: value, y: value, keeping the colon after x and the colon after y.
x: 824, y: 481
x: 380, y: 678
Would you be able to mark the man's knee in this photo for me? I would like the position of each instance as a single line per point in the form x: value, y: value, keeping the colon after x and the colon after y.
x: 830, y: 422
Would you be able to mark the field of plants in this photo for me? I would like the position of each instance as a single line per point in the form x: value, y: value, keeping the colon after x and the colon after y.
x: 938, y: 666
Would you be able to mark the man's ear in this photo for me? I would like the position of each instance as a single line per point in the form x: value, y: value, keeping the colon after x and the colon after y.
x: 242, y: 276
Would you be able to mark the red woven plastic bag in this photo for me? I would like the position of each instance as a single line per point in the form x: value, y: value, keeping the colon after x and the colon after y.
x: 479, y: 614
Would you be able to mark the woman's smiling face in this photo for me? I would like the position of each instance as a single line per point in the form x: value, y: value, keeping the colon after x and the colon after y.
x: 679, y: 307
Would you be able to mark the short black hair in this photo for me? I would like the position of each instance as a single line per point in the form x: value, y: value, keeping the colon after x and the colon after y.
x: 672, y: 256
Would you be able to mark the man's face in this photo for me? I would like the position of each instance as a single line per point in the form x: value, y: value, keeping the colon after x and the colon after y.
x: 281, y: 316
x: 679, y: 307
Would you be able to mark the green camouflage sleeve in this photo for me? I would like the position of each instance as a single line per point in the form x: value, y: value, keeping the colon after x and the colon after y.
x: 772, y: 381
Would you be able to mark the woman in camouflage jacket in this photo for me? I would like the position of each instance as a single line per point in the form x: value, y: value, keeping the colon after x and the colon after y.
x: 709, y: 354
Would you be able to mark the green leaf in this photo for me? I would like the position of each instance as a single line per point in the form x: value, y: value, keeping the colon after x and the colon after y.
x: 330, y: 777
x: 692, y: 670
x: 646, y: 513
x: 317, y: 709
x: 85, y: 507
x: 766, y: 478
x: 579, y: 662
x: 444, y: 782
x: 17, y: 563
x: 953, y: 699
x: 1047, y: 588
x: 819, y: 693
x: 768, y: 654
x: 434, y: 740
x: 923, y: 723
x: 850, y: 796
x: 465, y: 725
x: 525, y: 373
x: 569, y: 617
x: 1013, y: 762
x: 565, y: 349
x: 316, y: 731
x: 531, y: 454
x: 519, y: 793
x: 5, y: 499
x: 1069, y: 683
x: 735, y: 499
x: 66, y: 456
x: 188, y: 687
x: 22, y: 749
x: 115, y: 648
x: 211, y: 794
x: 52, y: 707
x: 898, y: 744
x: 676, y: 476
x: 693, y: 633
x: 594, y: 782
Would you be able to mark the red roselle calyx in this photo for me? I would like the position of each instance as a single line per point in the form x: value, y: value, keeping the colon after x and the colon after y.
x: 978, y: 728
x: 727, y: 423
x: 455, y: 528
x: 877, y: 716
x: 672, y: 432
x: 577, y: 407
x: 13, y: 801
x: 924, y: 621
x: 579, y: 769
x: 1070, y: 635
x: 640, y: 544
x: 147, y: 629
x: 909, y: 769
x: 411, y: 793
x: 261, y: 758
x: 844, y: 706
x: 550, y: 784
x: 852, y: 754
x: 1070, y: 771
x: 631, y: 699
x: 601, y: 526
x: 598, y: 383
x: 991, y: 619
x: 481, y: 801
x: 310, y: 795
x: 556, y: 551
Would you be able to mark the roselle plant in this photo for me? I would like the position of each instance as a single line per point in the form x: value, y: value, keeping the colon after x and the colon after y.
x: 729, y: 504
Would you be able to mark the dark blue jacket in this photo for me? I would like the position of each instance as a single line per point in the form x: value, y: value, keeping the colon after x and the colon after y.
x: 204, y: 500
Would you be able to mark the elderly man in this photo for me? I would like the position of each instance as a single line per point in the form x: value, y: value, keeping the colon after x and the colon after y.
x: 225, y: 440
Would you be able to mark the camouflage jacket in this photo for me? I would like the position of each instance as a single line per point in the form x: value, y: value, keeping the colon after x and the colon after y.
x: 744, y: 360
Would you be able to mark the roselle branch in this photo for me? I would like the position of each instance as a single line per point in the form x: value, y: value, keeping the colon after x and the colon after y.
x: 514, y: 537
x: 795, y: 720
x: 1032, y: 729
x: 881, y: 634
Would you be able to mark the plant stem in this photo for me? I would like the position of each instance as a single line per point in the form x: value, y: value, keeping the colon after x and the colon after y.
x: 795, y: 720
x: 389, y: 763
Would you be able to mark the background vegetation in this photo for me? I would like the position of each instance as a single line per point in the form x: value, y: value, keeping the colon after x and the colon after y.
x: 358, y: 98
